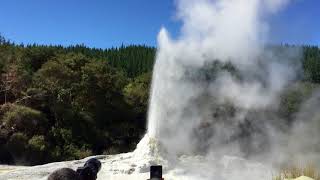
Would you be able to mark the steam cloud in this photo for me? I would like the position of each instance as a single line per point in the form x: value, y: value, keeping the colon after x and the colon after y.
x: 230, y: 112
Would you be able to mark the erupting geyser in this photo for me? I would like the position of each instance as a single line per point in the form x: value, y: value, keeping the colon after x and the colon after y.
x: 216, y: 87
x: 185, y: 107
x: 215, y: 91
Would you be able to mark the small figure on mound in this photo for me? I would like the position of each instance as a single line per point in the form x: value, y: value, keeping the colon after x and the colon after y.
x: 88, y: 172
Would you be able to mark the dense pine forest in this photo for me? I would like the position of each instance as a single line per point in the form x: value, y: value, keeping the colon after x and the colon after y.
x: 63, y: 103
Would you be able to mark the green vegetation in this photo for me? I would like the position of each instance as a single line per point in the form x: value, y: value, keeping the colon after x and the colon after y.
x: 295, y: 172
x: 61, y: 103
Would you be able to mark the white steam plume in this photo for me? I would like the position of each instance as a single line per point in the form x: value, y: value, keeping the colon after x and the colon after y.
x: 230, y: 111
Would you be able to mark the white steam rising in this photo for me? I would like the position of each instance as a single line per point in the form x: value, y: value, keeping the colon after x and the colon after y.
x: 232, y: 111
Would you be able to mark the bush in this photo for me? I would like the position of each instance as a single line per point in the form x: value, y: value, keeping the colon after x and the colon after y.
x: 55, y: 154
x: 24, y: 119
x: 37, y: 149
x: 67, y: 147
x: 61, y: 135
x: 73, y: 152
x: 37, y: 144
x: 137, y: 92
x: 292, y: 99
x: 82, y: 153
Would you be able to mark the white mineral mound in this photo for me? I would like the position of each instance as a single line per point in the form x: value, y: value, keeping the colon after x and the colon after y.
x: 135, y: 165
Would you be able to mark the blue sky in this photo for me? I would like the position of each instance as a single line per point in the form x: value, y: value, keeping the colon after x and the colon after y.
x: 106, y: 23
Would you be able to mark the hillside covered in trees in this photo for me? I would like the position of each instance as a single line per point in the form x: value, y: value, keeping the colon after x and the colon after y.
x: 62, y: 103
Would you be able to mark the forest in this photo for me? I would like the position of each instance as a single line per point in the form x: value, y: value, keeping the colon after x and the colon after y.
x: 63, y: 103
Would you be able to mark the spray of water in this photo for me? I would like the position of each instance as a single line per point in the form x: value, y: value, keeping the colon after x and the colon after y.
x: 216, y: 87
x: 223, y: 31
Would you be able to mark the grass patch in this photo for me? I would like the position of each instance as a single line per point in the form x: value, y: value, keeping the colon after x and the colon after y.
x: 295, y: 172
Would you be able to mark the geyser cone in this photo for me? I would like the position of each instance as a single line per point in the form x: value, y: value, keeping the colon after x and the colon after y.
x: 148, y: 147
x: 150, y: 152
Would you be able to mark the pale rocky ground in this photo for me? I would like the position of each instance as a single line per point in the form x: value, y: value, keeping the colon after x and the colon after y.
x: 135, y: 166
x: 123, y: 167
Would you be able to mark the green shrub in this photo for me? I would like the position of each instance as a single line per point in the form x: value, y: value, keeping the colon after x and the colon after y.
x: 37, y: 143
x: 137, y: 92
x: 37, y: 150
x: 72, y: 152
x: 82, y: 153
x: 61, y: 136
x: 55, y: 154
x: 292, y: 99
x: 24, y: 119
